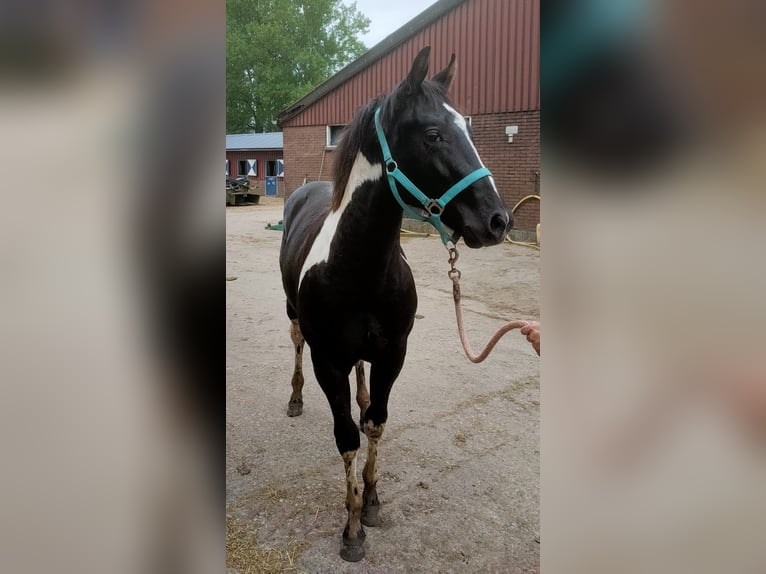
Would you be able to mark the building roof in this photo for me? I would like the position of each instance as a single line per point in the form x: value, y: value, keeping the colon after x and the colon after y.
x: 425, y: 18
x: 271, y: 140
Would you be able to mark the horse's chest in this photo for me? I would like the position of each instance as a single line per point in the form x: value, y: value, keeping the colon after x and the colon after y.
x: 367, y: 320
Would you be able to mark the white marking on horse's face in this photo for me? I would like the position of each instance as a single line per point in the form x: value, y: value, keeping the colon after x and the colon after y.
x: 460, y: 123
x: 361, y: 171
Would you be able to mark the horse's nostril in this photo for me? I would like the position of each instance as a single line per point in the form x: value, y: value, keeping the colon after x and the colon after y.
x: 499, y: 224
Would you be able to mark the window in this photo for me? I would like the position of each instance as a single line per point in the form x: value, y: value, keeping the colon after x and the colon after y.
x: 333, y: 135
x: 275, y: 168
x: 247, y: 167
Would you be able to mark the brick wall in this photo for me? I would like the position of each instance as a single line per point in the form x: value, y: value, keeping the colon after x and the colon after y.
x: 306, y: 156
x: 515, y: 166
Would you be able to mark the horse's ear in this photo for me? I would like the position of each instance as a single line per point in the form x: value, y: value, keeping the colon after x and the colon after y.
x: 419, y: 70
x: 447, y: 74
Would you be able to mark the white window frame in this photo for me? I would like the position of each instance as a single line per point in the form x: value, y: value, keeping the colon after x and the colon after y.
x: 328, y: 141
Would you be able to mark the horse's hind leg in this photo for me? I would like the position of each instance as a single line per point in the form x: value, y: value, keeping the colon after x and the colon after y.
x: 362, y: 394
x: 370, y: 502
x: 295, y: 406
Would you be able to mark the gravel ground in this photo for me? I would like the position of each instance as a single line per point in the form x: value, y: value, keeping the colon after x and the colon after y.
x: 459, y: 461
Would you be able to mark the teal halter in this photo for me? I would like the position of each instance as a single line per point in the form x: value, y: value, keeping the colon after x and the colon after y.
x: 434, y: 207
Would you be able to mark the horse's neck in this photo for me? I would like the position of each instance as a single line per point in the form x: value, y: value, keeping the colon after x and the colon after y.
x: 369, y: 218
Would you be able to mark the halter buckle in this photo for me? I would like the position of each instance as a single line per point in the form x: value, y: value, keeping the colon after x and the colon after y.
x: 434, y: 207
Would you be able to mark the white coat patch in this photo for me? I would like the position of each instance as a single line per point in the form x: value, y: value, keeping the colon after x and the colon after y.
x: 460, y: 123
x: 361, y: 171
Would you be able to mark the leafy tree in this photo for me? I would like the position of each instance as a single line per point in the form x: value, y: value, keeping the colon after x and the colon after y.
x: 279, y: 50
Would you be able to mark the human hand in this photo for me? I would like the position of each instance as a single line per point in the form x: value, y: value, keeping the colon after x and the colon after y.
x: 532, y: 332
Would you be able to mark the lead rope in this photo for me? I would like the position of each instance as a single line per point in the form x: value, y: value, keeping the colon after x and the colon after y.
x: 454, y: 275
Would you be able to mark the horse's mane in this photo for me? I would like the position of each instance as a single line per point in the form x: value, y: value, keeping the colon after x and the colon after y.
x: 355, y: 133
x: 350, y: 143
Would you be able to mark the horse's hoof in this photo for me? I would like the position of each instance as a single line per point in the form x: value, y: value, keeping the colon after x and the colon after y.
x: 352, y: 550
x: 371, y: 516
x: 294, y: 408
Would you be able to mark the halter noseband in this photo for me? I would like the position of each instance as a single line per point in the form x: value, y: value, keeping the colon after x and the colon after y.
x: 433, y: 207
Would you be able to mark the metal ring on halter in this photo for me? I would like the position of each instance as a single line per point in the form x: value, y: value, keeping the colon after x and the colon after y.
x: 434, y: 207
x: 391, y: 166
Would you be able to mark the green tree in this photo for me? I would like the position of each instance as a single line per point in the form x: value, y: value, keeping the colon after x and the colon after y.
x: 279, y: 50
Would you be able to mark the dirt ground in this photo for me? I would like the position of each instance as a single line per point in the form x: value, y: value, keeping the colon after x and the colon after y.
x: 459, y: 460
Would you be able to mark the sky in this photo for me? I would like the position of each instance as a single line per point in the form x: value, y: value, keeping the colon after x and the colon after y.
x: 386, y: 16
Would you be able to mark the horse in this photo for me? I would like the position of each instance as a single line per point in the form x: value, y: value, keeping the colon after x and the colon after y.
x: 349, y: 288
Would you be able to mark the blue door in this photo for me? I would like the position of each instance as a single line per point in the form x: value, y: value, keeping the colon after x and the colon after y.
x: 271, y: 185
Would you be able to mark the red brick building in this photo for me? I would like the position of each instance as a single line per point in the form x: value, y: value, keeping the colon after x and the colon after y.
x: 497, y: 85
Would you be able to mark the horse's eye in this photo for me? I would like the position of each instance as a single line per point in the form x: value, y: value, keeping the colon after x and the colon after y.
x: 433, y: 136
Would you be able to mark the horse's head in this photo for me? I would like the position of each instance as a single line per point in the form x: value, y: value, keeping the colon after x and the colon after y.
x: 432, y: 145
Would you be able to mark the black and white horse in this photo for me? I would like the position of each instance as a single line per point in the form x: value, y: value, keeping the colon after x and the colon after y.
x: 350, y: 292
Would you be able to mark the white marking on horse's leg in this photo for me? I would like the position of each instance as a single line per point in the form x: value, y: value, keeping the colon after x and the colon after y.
x: 295, y: 406
x: 361, y: 171
x: 362, y: 394
x: 371, y: 504
x: 460, y: 123
x: 353, y: 533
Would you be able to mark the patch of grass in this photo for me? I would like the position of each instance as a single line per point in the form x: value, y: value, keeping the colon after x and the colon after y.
x: 269, y: 493
x: 276, y: 494
x: 244, y: 554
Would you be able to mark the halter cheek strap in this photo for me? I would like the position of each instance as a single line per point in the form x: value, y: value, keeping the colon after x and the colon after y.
x: 433, y: 207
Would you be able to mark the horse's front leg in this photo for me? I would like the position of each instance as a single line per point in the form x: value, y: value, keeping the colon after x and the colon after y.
x: 334, y: 383
x: 382, y: 376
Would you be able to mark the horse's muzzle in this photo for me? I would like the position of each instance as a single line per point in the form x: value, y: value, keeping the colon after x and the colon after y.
x: 500, y: 224
x: 492, y: 231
